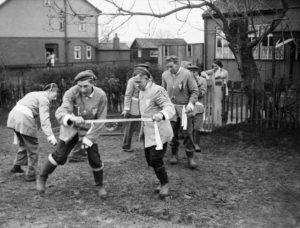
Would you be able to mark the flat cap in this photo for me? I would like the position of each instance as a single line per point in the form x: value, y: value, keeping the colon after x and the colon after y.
x: 85, y: 75
x: 141, y: 70
x: 193, y: 68
x: 142, y: 65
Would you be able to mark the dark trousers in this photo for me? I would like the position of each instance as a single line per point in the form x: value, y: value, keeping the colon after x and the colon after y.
x: 154, y: 159
x: 63, y: 150
x: 128, y: 133
x: 188, y: 140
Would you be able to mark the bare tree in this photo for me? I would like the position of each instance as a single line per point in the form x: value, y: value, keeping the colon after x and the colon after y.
x: 235, y: 18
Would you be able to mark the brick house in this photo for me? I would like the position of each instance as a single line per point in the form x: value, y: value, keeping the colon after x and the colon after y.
x: 32, y: 29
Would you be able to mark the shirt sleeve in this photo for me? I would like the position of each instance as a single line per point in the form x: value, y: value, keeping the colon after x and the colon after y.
x: 163, y: 82
x: 128, y: 94
x: 162, y: 99
x: 66, y: 107
x: 193, y: 89
x: 45, y: 116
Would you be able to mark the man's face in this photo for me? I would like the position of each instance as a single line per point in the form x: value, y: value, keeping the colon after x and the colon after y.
x: 195, y: 73
x: 172, y: 67
x: 85, y: 87
x: 141, y: 81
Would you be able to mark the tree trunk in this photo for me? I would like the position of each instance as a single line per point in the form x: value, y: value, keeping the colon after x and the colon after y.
x: 248, y: 69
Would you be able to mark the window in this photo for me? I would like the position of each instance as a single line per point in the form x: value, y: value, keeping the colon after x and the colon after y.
x: 222, y: 49
x: 77, y: 52
x: 189, y: 50
x: 88, y: 52
x: 154, y: 53
x: 265, y: 48
x: 61, y: 24
x: 139, y: 53
x: 166, y: 50
x: 47, y: 2
x: 82, y: 25
x: 252, y: 35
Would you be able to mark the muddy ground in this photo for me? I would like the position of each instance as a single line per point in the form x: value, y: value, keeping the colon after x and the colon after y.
x: 246, y: 178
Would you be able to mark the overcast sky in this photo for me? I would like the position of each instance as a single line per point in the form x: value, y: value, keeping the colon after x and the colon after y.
x: 146, y: 27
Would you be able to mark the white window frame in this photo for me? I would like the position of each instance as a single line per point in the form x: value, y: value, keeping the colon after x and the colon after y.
x: 88, y: 52
x: 222, y: 52
x: 265, y: 52
x: 61, y: 24
x: 77, y: 52
x: 47, y: 2
x: 189, y: 53
x: 154, y: 53
x: 82, y: 26
x: 166, y: 50
x: 139, y: 53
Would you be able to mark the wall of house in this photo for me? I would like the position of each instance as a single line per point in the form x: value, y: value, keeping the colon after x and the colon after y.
x: 31, y: 18
x: 113, y: 56
x: 20, y: 51
x: 32, y: 25
x: 265, y: 66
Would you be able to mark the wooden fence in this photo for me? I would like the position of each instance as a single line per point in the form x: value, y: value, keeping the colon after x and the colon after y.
x: 269, y: 109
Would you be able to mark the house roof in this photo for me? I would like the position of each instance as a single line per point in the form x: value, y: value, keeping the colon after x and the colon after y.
x: 234, y: 6
x: 109, y: 46
x: 98, y: 10
x: 154, y: 43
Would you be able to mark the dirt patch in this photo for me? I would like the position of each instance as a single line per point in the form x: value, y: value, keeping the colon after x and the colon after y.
x: 246, y: 177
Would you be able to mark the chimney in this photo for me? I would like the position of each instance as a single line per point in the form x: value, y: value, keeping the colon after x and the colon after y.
x: 116, y: 42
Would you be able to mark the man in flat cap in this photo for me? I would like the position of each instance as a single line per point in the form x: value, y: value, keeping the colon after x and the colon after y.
x: 131, y: 109
x: 183, y: 92
x: 199, y: 105
x: 81, y: 102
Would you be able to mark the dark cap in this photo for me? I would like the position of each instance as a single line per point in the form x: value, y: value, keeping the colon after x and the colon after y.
x: 85, y: 75
x: 142, y: 65
x: 193, y: 68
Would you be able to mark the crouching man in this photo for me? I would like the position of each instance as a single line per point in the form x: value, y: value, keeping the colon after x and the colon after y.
x: 81, y: 102
x: 155, y: 104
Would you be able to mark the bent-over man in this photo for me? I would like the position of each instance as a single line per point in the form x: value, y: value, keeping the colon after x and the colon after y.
x: 81, y: 102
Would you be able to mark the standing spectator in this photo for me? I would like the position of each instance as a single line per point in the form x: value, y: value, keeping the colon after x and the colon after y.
x: 22, y: 120
x: 155, y: 103
x: 81, y: 102
x: 199, y: 106
x: 183, y: 91
x: 52, y: 59
x: 219, y: 77
x: 131, y: 110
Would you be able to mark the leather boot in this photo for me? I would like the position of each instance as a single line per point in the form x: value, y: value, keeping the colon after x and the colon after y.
x: 164, y: 191
x: 98, y: 177
x: 174, y: 157
x: 42, y: 178
x: 162, y: 176
x: 191, y: 162
x: 31, y: 174
x: 197, y: 141
x: 17, y: 169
